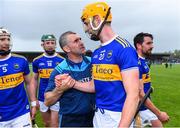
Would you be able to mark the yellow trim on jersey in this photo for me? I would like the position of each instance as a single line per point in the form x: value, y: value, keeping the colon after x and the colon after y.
x: 106, y: 72
x: 45, y: 73
x: 122, y: 42
x: 60, y: 56
x: 17, y: 55
x: 146, y: 78
x: 38, y: 57
x: 11, y: 81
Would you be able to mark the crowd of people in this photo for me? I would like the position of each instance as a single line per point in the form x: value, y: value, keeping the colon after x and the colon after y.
x: 103, y: 90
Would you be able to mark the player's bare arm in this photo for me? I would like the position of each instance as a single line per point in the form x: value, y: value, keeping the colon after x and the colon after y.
x: 131, y: 85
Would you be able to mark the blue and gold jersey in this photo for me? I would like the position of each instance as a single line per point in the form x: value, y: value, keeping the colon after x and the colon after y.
x: 108, y: 62
x: 144, y: 75
x: 44, y: 65
x: 13, y: 98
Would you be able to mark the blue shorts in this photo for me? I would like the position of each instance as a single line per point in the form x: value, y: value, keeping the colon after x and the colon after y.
x: 76, y: 120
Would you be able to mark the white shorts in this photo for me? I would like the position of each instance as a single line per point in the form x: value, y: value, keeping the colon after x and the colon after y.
x: 106, y: 119
x: 23, y: 121
x: 147, y: 116
x: 44, y: 108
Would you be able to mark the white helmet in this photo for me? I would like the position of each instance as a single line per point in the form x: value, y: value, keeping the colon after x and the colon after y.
x: 4, y: 34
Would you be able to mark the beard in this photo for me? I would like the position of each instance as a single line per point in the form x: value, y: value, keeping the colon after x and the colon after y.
x: 50, y: 52
x: 148, y: 52
x: 4, y: 53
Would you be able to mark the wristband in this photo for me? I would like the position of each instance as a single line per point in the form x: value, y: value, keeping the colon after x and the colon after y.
x: 33, y: 103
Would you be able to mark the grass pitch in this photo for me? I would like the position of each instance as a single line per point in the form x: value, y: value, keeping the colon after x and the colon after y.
x: 166, y: 95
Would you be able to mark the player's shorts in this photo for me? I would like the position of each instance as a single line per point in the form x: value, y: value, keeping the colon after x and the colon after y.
x: 106, y: 119
x: 147, y: 115
x: 23, y: 121
x: 44, y: 108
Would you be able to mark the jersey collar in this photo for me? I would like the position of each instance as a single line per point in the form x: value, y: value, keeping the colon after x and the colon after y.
x: 6, y: 57
x: 55, y: 54
x: 108, y: 42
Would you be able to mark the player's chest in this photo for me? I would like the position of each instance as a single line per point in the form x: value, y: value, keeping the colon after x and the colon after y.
x: 104, y: 56
x: 47, y: 64
x: 10, y: 68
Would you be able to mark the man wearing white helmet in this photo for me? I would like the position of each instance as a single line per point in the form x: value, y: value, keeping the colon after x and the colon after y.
x: 115, y: 70
x: 14, y: 73
x: 42, y: 68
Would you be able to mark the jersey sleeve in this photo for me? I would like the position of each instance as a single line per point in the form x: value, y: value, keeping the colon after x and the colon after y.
x: 127, y: 58
x: 140, y: 69
x: 26, y: 67
x: 35, y: 66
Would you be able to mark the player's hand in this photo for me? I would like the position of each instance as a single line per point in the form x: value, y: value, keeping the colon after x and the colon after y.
x: 59, y: 78
x: 64, y: 82
x: 33, y: 112
x: 163, y: 117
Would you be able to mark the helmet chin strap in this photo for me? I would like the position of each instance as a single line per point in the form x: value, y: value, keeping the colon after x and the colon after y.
x: 4, y: 53
x: 96, y: 37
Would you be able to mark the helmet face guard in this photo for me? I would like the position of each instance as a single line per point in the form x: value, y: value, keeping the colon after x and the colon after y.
x: 5, y: 35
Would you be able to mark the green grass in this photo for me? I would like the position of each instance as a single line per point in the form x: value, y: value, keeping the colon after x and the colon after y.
x: 166, y: 95
x: 166, y: 83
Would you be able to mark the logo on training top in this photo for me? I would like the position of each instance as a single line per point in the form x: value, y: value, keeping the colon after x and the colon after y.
x: 11, y: 81
x: 106, y: 72
x: 57, y: 63
x: 16, y: 66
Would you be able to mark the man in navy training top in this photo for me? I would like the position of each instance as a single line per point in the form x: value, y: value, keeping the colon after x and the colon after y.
x: 76, y: 107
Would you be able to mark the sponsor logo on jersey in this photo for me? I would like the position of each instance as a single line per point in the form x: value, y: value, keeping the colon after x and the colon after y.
x: 146, y: 78
x: 106, y: 72
x: 41, y: 64
x: 45, y: 73
x: 11, y: 81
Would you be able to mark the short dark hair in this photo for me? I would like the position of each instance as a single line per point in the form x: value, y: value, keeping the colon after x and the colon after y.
x: 63, y: 38
x: 139, y: 38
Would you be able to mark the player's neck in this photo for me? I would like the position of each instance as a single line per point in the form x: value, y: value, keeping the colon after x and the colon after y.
x: 140, y: 54
x: 4, y: 57
x: 75, y: 58
x: 106, y: 34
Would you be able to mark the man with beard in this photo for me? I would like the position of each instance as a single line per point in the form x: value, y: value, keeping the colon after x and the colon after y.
x: 42, y: 68
x: 76, y: 107
x: 14, y: 73
x: 143, y: 43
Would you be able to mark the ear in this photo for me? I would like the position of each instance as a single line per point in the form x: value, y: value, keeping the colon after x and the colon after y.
x: 139, y: 46
x: 66, y: 49
x: 42, y: 44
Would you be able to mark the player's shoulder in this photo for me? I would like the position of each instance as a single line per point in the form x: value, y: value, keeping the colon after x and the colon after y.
x: 38, y: 57
x: 59, y: 56
x: 17, y: 56
x: 121, y: 42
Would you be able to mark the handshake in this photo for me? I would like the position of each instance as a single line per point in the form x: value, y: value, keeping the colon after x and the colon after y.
x: 64, y: 82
